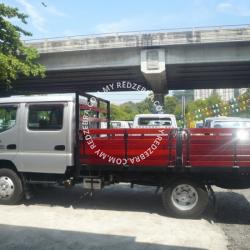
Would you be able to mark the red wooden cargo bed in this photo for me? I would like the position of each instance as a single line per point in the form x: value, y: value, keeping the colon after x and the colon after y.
x: 166, y: 148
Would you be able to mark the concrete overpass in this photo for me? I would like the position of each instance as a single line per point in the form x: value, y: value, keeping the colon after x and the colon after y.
x: 214, y: 57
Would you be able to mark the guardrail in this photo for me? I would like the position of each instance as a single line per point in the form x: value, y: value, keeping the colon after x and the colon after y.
x: 148, y: 38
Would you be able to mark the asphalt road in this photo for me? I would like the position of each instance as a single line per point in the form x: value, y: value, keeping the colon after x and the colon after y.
x: 121, y: 218
x: 233, y: 216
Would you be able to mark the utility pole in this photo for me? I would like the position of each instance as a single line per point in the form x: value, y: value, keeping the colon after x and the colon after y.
x: 183, y: 110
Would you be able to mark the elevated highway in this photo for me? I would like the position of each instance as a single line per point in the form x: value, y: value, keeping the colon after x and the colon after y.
x: 213, y: 57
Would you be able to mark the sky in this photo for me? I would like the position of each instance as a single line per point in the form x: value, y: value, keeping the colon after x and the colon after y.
x: 60, y: 18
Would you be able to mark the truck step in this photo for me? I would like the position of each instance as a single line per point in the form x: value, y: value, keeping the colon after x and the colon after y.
x: 93, y: 183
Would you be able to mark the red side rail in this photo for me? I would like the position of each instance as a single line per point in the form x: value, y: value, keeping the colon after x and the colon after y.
x: 217, y: 147
x: 132, y: 147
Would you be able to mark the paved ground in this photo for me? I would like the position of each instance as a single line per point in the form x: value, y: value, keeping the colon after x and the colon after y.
x: 121, y: 218
x: 233, y: 216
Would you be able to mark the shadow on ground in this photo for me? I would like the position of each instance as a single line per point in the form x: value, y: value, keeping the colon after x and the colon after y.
x: 231, y: 207
x: 119, y: 198
x: 25, y: 238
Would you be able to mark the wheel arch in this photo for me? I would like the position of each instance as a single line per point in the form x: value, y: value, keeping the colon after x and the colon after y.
x: 169, y: 180
x: 8, y: 164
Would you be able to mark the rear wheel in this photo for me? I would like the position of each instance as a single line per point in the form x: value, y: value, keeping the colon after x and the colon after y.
x: 185, y: 198
x: 11, y: 188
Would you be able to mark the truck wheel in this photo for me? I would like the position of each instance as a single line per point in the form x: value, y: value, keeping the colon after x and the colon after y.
x: 185, y: 198
x: 11, y: 188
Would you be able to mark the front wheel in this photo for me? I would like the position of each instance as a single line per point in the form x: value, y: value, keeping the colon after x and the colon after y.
x: 11, y: 188
x: 185, y: 198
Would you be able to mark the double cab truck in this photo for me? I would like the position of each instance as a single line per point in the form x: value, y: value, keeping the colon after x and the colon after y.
x: 57, y: 139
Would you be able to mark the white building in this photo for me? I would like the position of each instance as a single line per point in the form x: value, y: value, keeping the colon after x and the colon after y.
x: 202, y: 93
x: 225, y: 94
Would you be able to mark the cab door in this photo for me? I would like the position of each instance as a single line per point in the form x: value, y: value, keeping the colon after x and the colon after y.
x: 9, y: 132
x: 44, y: 138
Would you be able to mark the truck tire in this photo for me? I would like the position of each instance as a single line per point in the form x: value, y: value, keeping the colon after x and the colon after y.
x: 11, y: 187
x: 185, y: 198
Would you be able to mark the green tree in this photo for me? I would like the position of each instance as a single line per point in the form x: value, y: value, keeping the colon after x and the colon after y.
x: 130, y: 109
x: 145, y: 106
x: 200, y: 104
x: 172, y: 105
x: 117, y: 113
x: 16, y: 59
x: 213, y: 99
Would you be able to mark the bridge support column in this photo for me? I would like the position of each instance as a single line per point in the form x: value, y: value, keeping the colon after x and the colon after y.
x: 153, y: 67
x: 159, y: 97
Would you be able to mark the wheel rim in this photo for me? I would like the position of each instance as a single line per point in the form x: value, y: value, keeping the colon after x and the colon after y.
x: 184, y: 197
x: 6, y: 187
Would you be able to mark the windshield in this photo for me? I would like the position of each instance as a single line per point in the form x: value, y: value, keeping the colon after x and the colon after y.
x: 232, y: 124
x: 153, y: 121
x: 115, y: 125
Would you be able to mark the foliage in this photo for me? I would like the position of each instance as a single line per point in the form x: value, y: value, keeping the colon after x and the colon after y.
x: 16, y: 59
x: 172, y: 105
x: 192, y: 107
x: 128, y: 110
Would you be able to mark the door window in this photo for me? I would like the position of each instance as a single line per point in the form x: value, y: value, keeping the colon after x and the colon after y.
x: 45, y: 117
x: 7, y: 117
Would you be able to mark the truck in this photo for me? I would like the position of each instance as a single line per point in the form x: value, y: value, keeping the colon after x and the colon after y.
x: 154, y: 121
x: 119, y: 124
x: 227, y: 122
x: 43, y: 140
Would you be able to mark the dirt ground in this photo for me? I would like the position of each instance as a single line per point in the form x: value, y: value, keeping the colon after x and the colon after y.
x: 121, y: 218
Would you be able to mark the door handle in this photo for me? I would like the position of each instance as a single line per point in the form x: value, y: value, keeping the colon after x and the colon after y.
x: 60, y: 147
x: 11, y: 146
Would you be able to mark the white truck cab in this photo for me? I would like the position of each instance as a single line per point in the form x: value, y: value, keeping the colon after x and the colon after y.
x: 155, y: 121
x: 39, y: 139
x: 36, y: 132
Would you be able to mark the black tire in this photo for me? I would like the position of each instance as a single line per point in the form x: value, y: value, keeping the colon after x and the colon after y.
x: 15, y: 185
x: 171, y: 204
